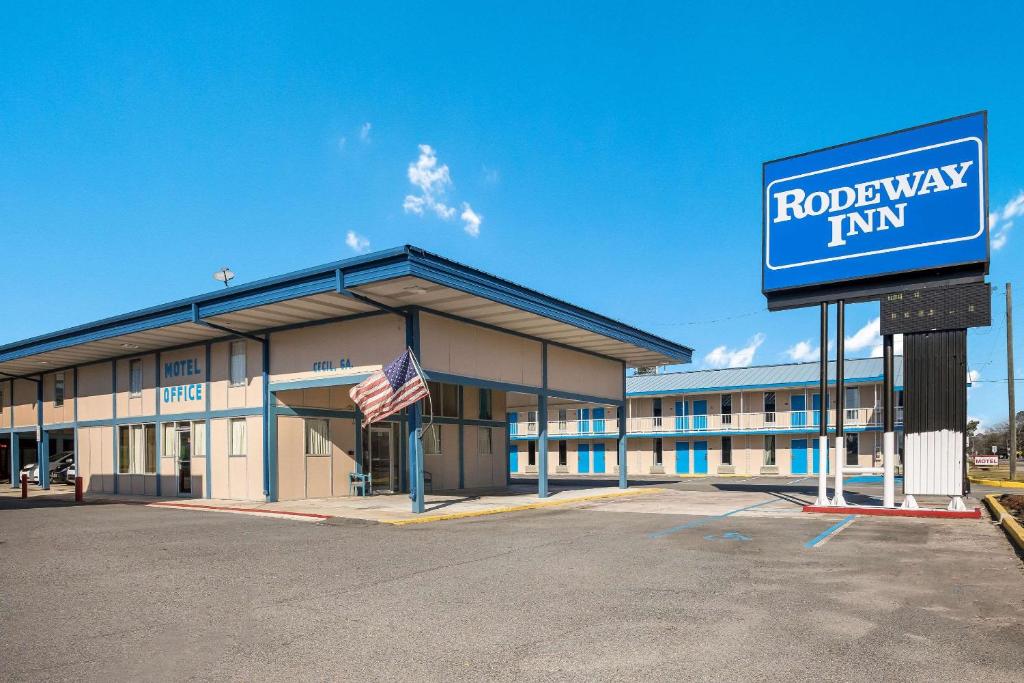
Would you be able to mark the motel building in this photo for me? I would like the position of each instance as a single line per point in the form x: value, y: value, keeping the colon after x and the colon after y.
x: 751, y: 421
x: 243, y: 393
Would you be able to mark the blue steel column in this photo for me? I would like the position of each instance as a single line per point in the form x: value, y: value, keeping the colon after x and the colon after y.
x: 208, y: 483
x: 267, y: 460
x: 74, y: 382
x: 159, y: 427
x: 621, y: 413
x: 412, y: 338
x: 15, y: 455
x: 462, y: 435
x: 542, y: 428
x: 43, y: 443
x: 359, y: 440
x: 15, y: 461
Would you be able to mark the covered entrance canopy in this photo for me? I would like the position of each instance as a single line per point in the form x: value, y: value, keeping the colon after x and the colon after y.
x: 467, y: 326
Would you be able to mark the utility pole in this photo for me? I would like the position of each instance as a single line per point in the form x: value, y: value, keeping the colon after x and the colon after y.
x: 1010, y: 379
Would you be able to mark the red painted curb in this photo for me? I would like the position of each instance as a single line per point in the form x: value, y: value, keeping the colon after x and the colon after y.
x: 217, y: 508
x: 895, y: 512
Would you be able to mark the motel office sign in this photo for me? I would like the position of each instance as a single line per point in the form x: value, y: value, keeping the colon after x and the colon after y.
x: 888, y: 211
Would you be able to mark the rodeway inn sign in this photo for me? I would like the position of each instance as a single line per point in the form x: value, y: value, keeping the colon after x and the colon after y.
x: 874, y: 210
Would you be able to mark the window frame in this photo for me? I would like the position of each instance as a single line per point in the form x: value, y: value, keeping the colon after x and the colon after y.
x: 485, y: 400
x: 58, y: 396
x: 129, y: 460
x: 531, y: 454
x: 726, y: 452
x: 563, y: 453
x: 232, y: 381
x: 307, y: 422
x: 769, y: 456
x: 855, y: 438
x: 135, y: 385
x: 659, y: 453
x: 480, y: 441
x: 231, y: 437
x: 430, y: 437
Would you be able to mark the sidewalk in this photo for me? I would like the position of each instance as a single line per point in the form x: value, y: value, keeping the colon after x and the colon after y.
x: 388, y: 509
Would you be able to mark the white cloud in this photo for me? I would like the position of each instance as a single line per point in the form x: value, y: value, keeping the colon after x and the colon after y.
x: 973, y: 375
x: 471, y: 219
x: 364, y: 132
x: 865, y: 337
x: 433, y: 180
x: 724, y: 357
x: 1000, y: 222
x: 342, y: 141
x: 803, y: 352
x: 357, y: 242
x: 1000, y: 236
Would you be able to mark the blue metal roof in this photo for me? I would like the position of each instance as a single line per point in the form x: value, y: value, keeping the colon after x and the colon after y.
x: 344, y: 276
x: 790, y: 374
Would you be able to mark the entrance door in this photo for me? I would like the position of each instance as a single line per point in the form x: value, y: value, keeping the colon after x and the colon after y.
x: 700, y: 457
x: 598, y: 424
x: 798, y: 416
x: 682, y: 457
x: 381, y: 458
x: 700, y: 415
x: 598, y: 458
x: 583, y: 458
x: 798, y: 449
x: 513, y: 458
x: 184, y: 434
x: 816, y: 458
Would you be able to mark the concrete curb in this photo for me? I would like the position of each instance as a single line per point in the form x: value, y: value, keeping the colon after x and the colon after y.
x: 1002, y: 517
x: 281, y: 514
x: 997, y: 483
x: 517, y: 508
x: 895, y: 512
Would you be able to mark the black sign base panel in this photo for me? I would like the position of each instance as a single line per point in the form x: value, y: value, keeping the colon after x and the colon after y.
x: 854, y: 292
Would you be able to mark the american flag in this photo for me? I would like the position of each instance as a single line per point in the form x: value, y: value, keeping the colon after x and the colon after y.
x: 387, y: 391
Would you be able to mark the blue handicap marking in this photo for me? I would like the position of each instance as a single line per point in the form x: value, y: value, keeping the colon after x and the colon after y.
x: 727, y: 536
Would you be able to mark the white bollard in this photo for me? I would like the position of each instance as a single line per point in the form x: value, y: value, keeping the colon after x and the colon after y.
x: 822, y: 471
x: 889, y: 470
x: 838, y: 500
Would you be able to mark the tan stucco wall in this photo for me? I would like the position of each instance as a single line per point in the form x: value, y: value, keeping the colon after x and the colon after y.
x: 365, y: 342
x: 236, y: 477
x: 223, y: 396
x: 96, y: 459
x: 307, y: 476
x: 468, y: 350
x: 24, y: 396
x: 582, y: 373
x: 57, y: 414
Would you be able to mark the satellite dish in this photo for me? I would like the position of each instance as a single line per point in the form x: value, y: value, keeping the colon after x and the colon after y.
x: 224, y: 275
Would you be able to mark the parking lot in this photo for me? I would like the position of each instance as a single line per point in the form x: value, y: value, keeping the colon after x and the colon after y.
x: 708, y: 579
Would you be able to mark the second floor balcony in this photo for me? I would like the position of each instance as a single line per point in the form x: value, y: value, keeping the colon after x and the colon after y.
x: 768, y: 422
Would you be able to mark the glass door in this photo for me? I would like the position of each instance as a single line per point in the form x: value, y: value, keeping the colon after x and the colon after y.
x: 381, y: 458
x: 184, y: 433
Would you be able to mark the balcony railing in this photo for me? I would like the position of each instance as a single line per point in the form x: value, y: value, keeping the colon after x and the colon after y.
x: 778, y: 421
x: 601, y: 426
x: 795, y: 420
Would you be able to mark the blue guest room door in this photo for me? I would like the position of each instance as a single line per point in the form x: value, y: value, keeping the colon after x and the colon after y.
x: 682, y: 457
x: 598, y: 458
x: 583, y: 458
x: 798, y: 416
x: 700, y: 415
x: 513, y: 458
x: 798, y: 447
x: 700, y: 457
x: 814, y: 446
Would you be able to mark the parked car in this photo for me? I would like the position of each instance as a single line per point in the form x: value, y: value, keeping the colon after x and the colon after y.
x: 57, y: 464
x: 66, y: 474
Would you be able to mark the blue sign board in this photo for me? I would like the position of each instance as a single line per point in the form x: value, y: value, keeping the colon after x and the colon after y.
x: 911, y: 201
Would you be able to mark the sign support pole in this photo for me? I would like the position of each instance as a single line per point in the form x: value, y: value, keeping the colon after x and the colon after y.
x: 889, y: 426
x: 822, y: 410
x: 1012, y: 451
x: 839, y: 500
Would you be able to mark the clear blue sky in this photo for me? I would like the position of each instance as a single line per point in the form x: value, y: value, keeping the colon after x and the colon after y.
x: 611, y: 156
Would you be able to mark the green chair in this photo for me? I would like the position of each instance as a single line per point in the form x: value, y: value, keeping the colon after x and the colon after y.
x: 360, y: 484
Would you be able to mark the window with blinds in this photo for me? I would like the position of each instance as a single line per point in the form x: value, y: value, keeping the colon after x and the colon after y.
x: 237, y: 445
x: 237, y: 374
x: 318, y: 438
